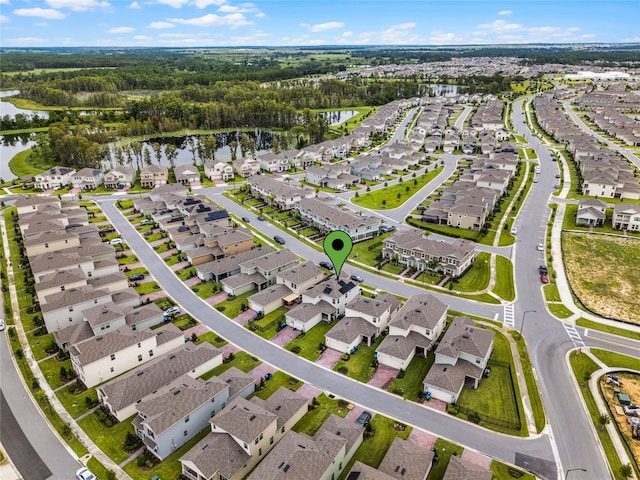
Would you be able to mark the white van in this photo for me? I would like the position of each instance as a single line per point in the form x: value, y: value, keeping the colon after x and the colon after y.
x: 116, y: 241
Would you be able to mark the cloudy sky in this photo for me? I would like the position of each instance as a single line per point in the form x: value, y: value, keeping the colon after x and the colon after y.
x: 183, y: 23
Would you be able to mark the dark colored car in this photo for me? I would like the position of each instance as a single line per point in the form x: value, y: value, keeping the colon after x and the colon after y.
x: 356, y: 278
x: 327, y: 265
x: 279, y: 239
x: 363, y: 419
x: 136, y: 277
x: 261, y: 218
x: 245, y: 219
x: 542, y: 269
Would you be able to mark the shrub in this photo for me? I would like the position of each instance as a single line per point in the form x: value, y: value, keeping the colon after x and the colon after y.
x: 343, y: 370
x: 343, y: 403
x: 296, y: 349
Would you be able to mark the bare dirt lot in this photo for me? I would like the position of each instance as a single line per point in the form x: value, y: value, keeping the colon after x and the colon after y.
x: 631, y: 386
x: 604, y: 272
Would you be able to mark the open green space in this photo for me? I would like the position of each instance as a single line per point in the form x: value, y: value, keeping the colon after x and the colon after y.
x: 309, y: 342
x: 559, y: 310
x: 444, y: 450
x: 358, y: 364
x: 314, y: 419
x: 504, y: 286
x: 50, y: 368
x: 613, y: 359
x: 477, y: 277
x: 278, y: 379
x: 502, y: 471
x: 583, y: 367
x: 551, y: 293
x: 109, y: 440
x: 410, y: 386
x: 242, y: 361
x: 530, y: 380
x: 394, y: 195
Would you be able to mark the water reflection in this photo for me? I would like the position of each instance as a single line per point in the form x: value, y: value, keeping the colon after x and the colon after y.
x: 8, y: 108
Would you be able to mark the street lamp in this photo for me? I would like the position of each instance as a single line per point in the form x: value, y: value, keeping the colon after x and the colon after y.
x: 524, y: 314
x: 574, y: 470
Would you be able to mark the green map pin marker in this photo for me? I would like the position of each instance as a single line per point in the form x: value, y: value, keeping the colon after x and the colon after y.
x: 337, y: 246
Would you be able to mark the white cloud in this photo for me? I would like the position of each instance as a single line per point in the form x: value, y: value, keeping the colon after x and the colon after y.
x: 242, y: 8
x: 141, y: 38
x: 4, y: 2
x: 135, y: 5
x: 4, y: 19
x: 49, y: 13
x: 323, y: 27
x: 500, y: 31
x: 441, y: 38
x: 174, y: 3
x: 260, y: 15
x: 500, y: 26
x: 232, y: 20
x: 400, y: 34
x: 505, y: 12
x: 206, y: 3
x: 121, y: 30
x: 25, y: 41
x: 161, y: 25
x: 78, y: 5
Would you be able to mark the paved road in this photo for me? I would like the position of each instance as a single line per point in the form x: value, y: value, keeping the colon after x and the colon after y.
x: 612, y: 145
x: 546, y: 337
x: 499, y: 446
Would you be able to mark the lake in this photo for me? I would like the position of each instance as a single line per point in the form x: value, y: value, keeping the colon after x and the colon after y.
x: 8, y: 108
x: 336, y: 117
x: 10, y: 146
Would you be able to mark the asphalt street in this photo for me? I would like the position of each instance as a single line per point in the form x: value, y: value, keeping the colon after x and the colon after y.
x: 496, y: 445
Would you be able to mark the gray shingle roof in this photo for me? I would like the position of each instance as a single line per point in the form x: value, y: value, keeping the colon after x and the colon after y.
x: 72, y: 296
x: 463, y: 336
x: 407, y: 461
x: 230, y: 263
x: 459, y: 469
x: 420, y: 310
x: 283, y: 403
x: 271, y: 261
x: 350, y: 328
x: 330, y: 287
x: 401, y: 347
x: 142, y: 313
x: 369, y: 306
x: 217, y: 453
x: 236, y: 379
x: 300, y: 273
x: 270, y: 294
x: 106, y: 312
x: 244, y: 420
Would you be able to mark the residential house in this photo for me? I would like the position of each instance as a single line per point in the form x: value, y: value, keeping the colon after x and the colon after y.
x: 52, y: 262
x: 222, y: 171
x: 246, y: 166
x: 187, y: 174
x: 327, y: 217
x: 120, y: 177
x: 183, y: 408
x: 413, y: 249
x: 66, y: 308
x: 336, y: 176
x: 462, y: 355
x: 241, y: 435
x: 103, y: 357
x: 226, y: 241
x: 591, y: 211
x: 413, y: 331
x: 300, y: 277
x: 154, y: 176
x: 259, y: 272
x: 458, y: 469
x: 87, y: 178
x: 54, y: 178
x: 403, y: 461
x: 325, y: 301
x: 29, y: 204
x: 321, y: 457
x: 626, y: 217
x: 50, y: 241
x: 272, y: 162
x: 277, y: 192
x: 58, y: 282
x: 219, y: 269
x: 123, y: 393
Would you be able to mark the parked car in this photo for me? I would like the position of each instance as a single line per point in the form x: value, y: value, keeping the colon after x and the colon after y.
x: 1, y: 325
x: 544, y: 278
x: 261, y: 218
x: 356, y: 278
x: 387, y: 228
x: 327, y: 265
x: 279, y: 239
x: 514, y: 230
x: 85, y: 474
x: 557, y: 175
x: 556, y: 186
x: 136, y: 277
x: 171, y: 311
x: 116, y: 241
x: 535, y: 179
x: 542, y: 269
x: 632, y: 410
x: 146, y: 221
x: 245, y: 219
x: 364, y: 418
x: 540, y: 247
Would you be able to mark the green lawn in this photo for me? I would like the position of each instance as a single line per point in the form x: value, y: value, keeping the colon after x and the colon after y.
x: 205, y: 290
x: 76, y: 404
x: 583, y: 322
x: 367, y: 251
x: 373, y: 449
x: 477, y: 277
x: 171, y: 467
x: 148, y: 287
x: 613, y: 359
x: 499, y: 395
x: 359, y: 363
x: 532, y: 385
x: 109, y: 440
x: 559, y: 310
x: 502, y: 471
x: 472, y: 235
x: 411, y: 384
x: 444, y: 450
x: 38, y: 343
x: 310, y: 341
x: 274, y: 317
x: 551, y: 293
x: 213, y: 338
x: 242, y: 361
x: 186, y: 273
x: 127, y: 260
x: 278, y: 379
x: 583, y: 367
x: 51, y: 370
x: 394, y: 195
x: 163, y: 247
x: 232, y: 308
x: 504, y: 286
x: 314, y: 419
x: 97, y: 468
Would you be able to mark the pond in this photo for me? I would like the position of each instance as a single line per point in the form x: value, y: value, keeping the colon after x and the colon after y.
x: 10, y: 146
x: 8, y: 108
x: 336, y: 117
x: 440, y: 90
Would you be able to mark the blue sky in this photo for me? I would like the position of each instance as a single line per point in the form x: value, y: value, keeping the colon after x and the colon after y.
x: 185, y: 23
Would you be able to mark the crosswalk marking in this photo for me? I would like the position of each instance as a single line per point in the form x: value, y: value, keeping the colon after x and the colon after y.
x: 573, y: 334
x: 509, y: 315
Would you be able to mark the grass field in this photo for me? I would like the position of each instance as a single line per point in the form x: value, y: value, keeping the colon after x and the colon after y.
x: 504, y: 286
x: 603, y: 273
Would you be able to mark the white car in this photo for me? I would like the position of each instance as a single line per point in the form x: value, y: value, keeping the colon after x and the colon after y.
x: 514, y: 230
x: 540, y: 247
x: 85, y: 474
x: 1, y: 325
x: 171, y: 311
x: 116, y: 241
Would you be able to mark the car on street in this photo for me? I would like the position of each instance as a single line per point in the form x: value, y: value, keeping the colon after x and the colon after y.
x: 85, y: 474
x: 245, y: 219
x: 171, y: 311
x: 327, y: 265
x: 1, y: 325
x: 557, y: 175
x: 261, y: 218
x: 136, y: 277
x: 514, y: 230
x: 556, y: 186
x: 535, y: 179
x: 387, y: 228
x: 544, y: 278
x: 363, y: 419
x: 538, y: 170
x: 540, y: 247
x: 542, y: 269
x: 356, y: 278
x: 279, y: 239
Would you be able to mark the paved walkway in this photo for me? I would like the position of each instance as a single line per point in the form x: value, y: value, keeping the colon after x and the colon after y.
x: 329, y: 358
x: 37, y: 373
x: 383, y: 376
x: 285, y: 335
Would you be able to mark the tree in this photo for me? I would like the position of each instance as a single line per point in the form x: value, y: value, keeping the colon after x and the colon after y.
x: 433, y: 264
x: 604, y: 420
x: 157, y: 150
x: 171, y: 152
x: 626, y: 470
x: 193, y: 148
x: 147, y: 156
x: 233, y: 147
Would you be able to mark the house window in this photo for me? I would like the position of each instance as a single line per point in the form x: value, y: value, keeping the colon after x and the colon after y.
x: 256, y: 442
x: 186, y: 419
x: 186, y: 433
x: 71, y: 309
x: 62, y: 288
x: 46, y: 245
x: 271, y: 441
x: 139, y: 344
x: 151, y: 353
x: 260, y: 452
x: 113, y: 356
x: 139, y: 358
x: 111, y: 369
